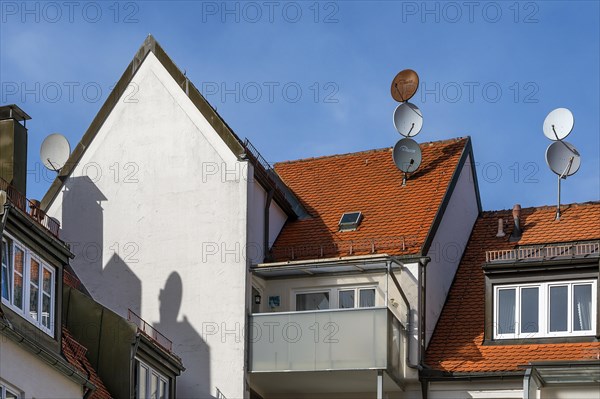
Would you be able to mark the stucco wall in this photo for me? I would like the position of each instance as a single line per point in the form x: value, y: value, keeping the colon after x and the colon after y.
x: 156, y: 214
x: 32, y: 376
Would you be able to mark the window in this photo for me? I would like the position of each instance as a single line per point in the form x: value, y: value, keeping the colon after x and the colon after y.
x: 356, y: 298
x: 150, y: 383
x: 350, y: 221
x: 332, y: 298
x: 7, y: 392
x: 28, y: 285
x: 556, y: 309
x: 312, y: 301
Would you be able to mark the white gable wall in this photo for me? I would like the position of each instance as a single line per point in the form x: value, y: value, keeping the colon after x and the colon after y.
x: 449, y: 244
x: 159, y: 194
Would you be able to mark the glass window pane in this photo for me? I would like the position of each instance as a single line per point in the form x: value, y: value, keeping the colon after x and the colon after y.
x: 47, y: 282
x: 558, y: 308
x: 582, y: 307
x: 10, y: 395
x: 6, y: 271
x: 346, y: 299
x: 34, y: 275
x: 367, y: 298
x: 154, y: 387
x: 506, y: 311
x: 312, y: 301
x: 46, y: 310
x: 142, y: 381
x: 530, y: 310
x: 18, y: 263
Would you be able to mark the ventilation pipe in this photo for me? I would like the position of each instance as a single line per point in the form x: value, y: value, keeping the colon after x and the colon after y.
x: 501, y: 232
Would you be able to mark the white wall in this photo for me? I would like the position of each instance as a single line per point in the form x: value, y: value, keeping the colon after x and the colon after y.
x: 257, y: 197
x: 448, y: 245
x: 32, y: 376
x: 175, y: 210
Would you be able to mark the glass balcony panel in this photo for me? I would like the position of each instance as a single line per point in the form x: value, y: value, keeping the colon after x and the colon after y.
x: 345, y: 339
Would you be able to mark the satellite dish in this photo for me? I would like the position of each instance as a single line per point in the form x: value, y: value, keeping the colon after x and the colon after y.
x: 408, y: 119
x: 405, y: 85
x: 563, y: 158
x: 558, y: 124
x: 407, y: 155
x: 55, y: 151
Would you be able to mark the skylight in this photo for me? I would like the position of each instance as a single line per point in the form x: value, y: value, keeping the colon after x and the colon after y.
x: 350, y: 221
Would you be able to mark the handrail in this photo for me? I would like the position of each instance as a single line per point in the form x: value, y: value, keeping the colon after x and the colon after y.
x: 30, y: 207
x: 150, y: 331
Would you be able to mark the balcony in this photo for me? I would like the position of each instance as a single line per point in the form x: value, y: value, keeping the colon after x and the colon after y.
x: 30, y: 208
x: 326, y: 351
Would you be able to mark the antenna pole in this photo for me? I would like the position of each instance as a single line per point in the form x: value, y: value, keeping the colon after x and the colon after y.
x: 558, y: 206
x: 560, y: 177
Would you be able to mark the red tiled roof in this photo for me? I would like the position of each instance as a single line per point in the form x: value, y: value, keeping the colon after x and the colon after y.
x: 457, y: 343
x: 396, y: 219
x: 74, y: 352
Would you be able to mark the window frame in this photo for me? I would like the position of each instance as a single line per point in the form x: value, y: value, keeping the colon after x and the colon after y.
x: 334, y: 296
x: 544, y: 310
x: 7, y: 387
x: 150, y: 373
x: 28, y: 256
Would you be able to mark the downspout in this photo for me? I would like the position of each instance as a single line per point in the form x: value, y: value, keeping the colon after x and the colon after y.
x: 266, y: 256
x: 407, y: 304
x: 422, y: 300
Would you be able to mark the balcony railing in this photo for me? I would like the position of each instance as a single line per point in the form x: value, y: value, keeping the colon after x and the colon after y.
x: 327, y: 340
x: 149, y: 331
x: 546, y: 252
x: 30, y: 207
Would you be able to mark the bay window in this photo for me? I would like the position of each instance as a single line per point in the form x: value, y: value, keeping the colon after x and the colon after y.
x: 28, y: 285
x: 550, y: 309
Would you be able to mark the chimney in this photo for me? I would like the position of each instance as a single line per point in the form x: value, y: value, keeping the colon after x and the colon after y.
x: 517, y: 230
x: 13, y: 146
x: 501, y: 232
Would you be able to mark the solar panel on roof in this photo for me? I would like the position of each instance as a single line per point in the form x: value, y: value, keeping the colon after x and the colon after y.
x: 350, y: 221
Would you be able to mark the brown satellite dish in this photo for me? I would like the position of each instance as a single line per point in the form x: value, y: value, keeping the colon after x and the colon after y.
x: 405, y: 85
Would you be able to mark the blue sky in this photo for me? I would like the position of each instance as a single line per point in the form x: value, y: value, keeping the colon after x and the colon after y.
x: 307, y: 78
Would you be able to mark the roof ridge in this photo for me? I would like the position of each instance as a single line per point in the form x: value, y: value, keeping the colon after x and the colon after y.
x: 322, y: 157
x: 542, y: 207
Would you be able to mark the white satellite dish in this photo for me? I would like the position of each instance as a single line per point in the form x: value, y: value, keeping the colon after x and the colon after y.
x: 408, y: 119
x: 563, y: 158
x: 55, y: 151
x: 558, y: 124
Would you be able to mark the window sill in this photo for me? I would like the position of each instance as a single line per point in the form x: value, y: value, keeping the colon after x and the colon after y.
x: 541, y: 341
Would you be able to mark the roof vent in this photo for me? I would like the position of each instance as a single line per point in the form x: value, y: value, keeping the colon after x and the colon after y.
x: 350, y: 221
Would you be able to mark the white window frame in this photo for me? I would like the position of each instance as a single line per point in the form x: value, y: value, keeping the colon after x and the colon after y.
x: 6, y: 387
x: 544, y: 310
x: 150, y: 372
x: 334, y: 293
x: 25, y: 312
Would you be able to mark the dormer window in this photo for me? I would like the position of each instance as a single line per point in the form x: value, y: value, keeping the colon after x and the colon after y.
x: 543, y: 292
x: 350, y: 221
x: 556, y: 309
x: 28, y: 285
